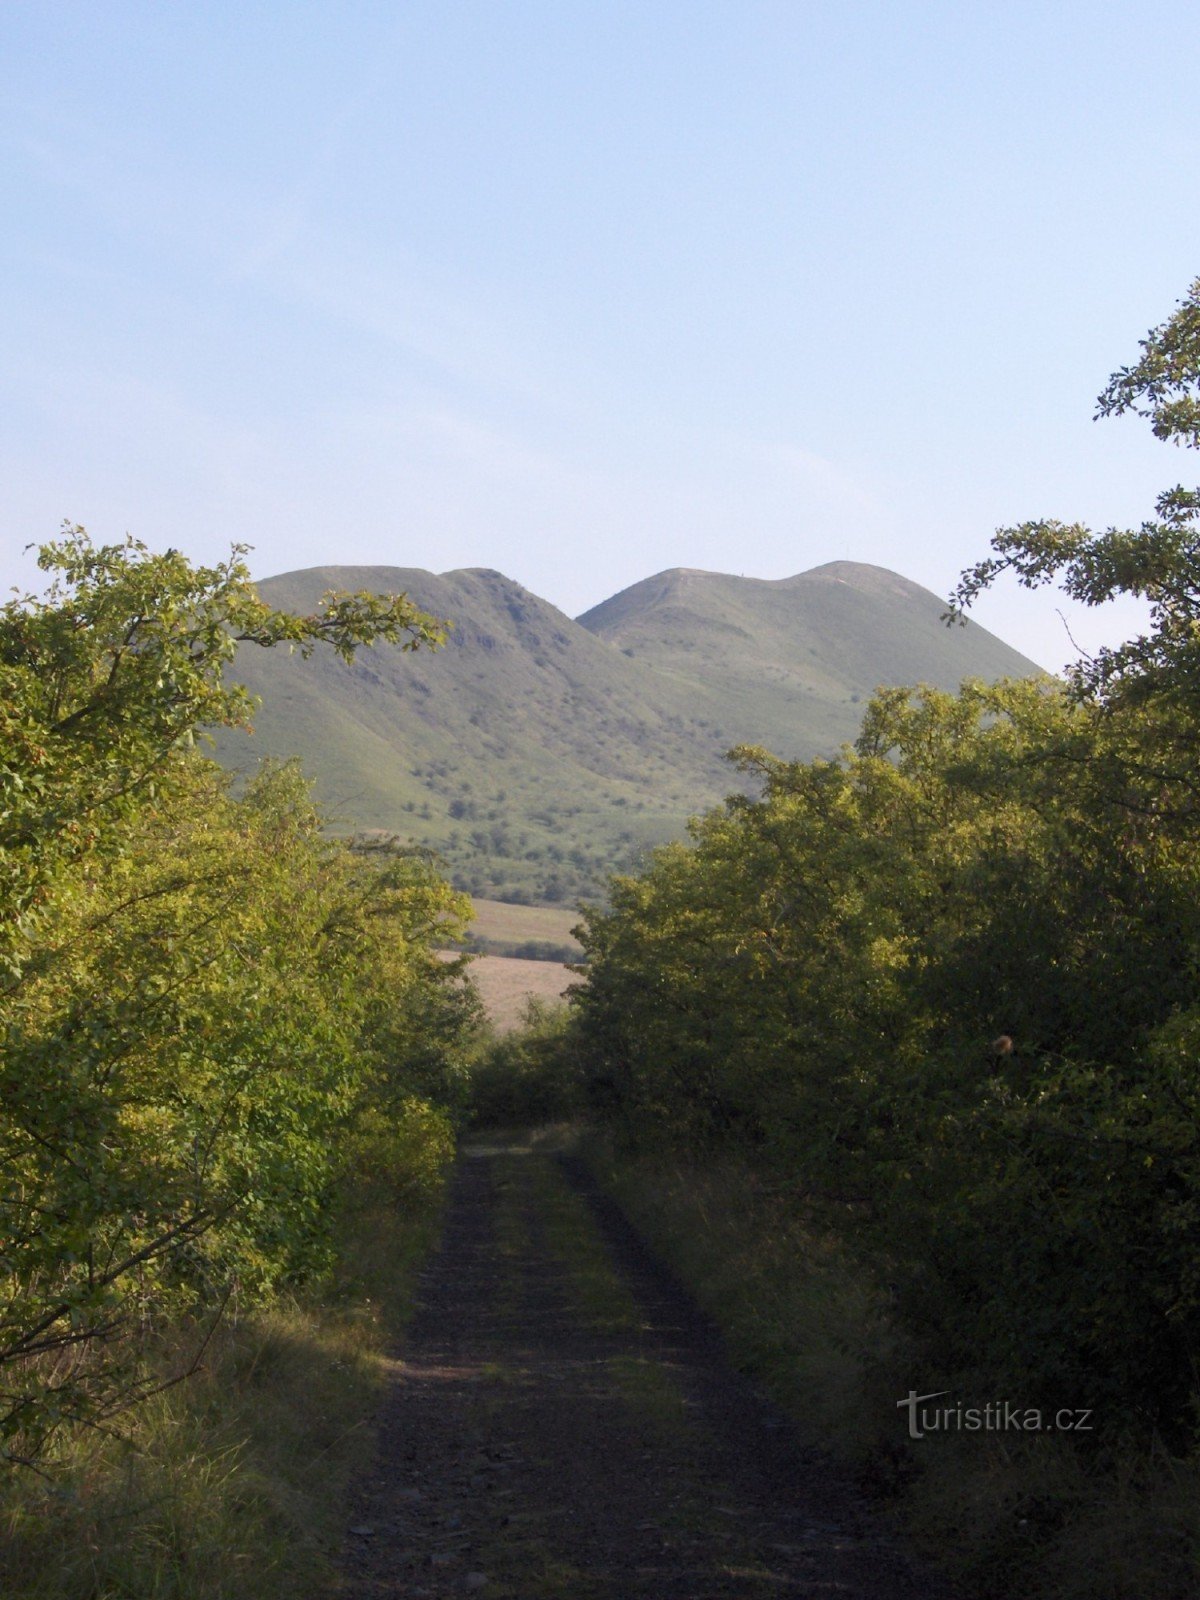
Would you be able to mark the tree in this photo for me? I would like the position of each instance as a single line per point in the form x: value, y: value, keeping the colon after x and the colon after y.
x: 107, y: 679
x: 209, y: 1009
x: 1159, y: 560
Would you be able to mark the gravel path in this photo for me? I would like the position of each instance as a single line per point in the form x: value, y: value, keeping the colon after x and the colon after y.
x: 564, y: 1423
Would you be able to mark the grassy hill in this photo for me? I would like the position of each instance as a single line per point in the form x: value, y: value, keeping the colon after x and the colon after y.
x: 537, y: 753
x: 788, y: 663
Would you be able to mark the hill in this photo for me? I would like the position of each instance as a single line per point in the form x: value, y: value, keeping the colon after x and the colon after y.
x: 787, y: 663
x: 536, y: 752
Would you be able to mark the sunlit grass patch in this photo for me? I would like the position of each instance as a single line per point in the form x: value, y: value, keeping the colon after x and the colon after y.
x: 231, y: 1485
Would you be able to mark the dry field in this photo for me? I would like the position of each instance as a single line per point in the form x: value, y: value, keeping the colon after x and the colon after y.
x: 506, y: 982
x: 508, y: 924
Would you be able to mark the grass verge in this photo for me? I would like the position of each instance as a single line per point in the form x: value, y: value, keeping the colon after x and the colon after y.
x: 235, y: 1482
x: 1001, y: 1513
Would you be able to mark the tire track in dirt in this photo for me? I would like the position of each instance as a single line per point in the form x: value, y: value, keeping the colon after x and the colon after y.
x: 564, y: 1423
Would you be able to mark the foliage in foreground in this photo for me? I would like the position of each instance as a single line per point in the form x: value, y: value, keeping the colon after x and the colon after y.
x: 1007, y: 1514
x: 239, y: 1481
x: 946, y: 988
x: 942, y: 991
x: 210, y: 1012
x: 530, y: 1076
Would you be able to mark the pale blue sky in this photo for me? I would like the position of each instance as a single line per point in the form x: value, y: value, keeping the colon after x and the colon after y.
x: 584, y: 290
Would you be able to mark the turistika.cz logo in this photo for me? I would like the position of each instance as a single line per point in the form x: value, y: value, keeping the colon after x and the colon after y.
x: 997, y: 1416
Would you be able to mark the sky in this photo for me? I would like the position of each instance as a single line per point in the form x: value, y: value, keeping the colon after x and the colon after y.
x: 585, y: 289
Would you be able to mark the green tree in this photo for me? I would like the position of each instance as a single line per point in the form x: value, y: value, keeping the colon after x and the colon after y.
x: 106, y: 679
x: 817, y: 982
x: 942, y: 989
x: 1159, y: 560
x: 210, y: 1010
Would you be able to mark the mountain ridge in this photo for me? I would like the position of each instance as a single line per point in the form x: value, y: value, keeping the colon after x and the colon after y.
x: 536, y: 752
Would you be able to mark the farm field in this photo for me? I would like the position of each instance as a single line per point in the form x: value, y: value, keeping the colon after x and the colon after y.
x: 505, y: 983
x: 497, y: 922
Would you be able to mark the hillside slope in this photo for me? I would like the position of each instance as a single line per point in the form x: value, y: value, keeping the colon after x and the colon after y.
x: 536, y: 753
x: 787, y: 663
x: 531, y: 753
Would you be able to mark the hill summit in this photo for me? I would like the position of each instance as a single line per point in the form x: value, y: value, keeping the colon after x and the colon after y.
x: 536, y: 753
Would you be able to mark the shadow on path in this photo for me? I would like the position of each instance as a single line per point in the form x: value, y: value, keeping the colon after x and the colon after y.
x: 564, y: 1422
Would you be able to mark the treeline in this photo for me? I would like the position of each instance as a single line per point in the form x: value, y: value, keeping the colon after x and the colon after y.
x: 942, y: 992
x: 216, y: 1022
x: 523, y: 949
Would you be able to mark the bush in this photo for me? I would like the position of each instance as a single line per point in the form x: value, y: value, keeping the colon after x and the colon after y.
x: 531, y: 1075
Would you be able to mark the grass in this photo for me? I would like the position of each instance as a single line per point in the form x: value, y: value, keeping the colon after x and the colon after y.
x: 598, y: 1293
x: 1004, y: 1514
x: 795, y: 1312
x: 496, y: 923
x: 233, y: 1485
x: 529, y: 1186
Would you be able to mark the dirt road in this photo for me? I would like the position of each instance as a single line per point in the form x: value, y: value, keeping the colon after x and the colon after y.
x: 563, y: 1423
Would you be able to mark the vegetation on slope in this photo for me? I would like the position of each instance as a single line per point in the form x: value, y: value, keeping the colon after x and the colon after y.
x: 790, y: 664
x: 529, y: 754
x: 536, y: 754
